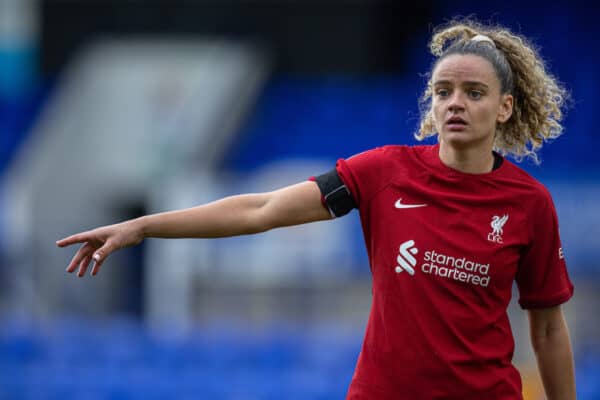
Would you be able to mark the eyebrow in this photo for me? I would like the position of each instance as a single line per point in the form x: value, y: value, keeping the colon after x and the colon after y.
x: 466, y: 83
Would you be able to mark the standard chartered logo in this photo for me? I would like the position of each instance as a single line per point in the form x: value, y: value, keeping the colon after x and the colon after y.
x: 435, y: 263
x: 406, y: 259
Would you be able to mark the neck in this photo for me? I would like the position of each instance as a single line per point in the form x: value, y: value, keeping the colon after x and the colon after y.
x: 470, y: 160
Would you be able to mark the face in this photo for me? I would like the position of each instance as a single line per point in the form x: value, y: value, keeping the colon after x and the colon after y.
x: 466, y: 101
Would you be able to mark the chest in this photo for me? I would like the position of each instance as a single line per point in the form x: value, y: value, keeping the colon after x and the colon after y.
x: 425, y: 235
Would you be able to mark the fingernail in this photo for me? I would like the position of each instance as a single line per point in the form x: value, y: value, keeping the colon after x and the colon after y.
x: 96, y: 257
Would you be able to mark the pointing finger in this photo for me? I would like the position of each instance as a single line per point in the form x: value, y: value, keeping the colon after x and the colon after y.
x: 77, y: 238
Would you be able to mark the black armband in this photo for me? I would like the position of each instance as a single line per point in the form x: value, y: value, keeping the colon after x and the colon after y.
x: 337, y: 197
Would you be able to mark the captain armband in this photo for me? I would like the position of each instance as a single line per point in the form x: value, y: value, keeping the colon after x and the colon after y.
x: 336, y: 195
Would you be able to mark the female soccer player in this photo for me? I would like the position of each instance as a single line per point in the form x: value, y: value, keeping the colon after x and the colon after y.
x: 448, y: 229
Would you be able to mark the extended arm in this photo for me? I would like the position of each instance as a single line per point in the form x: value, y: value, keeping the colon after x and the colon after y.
x: 231, y: 216
x: 552, y: 346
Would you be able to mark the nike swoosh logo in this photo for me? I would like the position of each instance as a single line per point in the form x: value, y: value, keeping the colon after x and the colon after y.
x: 400, y: 205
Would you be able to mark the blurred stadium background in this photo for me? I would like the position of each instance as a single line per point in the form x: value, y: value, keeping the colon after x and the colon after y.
x: 113, y: 109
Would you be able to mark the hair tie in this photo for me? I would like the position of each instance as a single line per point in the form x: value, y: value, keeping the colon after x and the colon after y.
x: 483, y: 38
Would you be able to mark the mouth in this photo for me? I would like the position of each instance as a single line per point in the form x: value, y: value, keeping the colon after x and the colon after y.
x: 456, y: 123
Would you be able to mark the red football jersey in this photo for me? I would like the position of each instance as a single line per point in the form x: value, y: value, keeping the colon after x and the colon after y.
x: 444, y: 249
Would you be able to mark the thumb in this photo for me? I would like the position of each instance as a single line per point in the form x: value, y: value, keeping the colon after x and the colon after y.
x: 101, y: 255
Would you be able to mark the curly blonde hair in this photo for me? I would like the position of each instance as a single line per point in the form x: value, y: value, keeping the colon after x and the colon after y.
x: 539, y: 98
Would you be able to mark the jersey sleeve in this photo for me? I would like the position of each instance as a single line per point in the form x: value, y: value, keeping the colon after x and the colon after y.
x: 542, y: 276
x: 362, y: 174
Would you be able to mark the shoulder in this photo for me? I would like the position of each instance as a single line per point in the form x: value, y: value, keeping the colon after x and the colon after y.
x: 385, y: 162
x: 534, y: 193
x: 403, y: 149
x: 368, y: 172
x: 382, y: 163
x: 392, y: 152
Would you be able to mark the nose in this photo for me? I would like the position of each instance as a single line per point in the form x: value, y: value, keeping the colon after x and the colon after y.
x: 456, y: 102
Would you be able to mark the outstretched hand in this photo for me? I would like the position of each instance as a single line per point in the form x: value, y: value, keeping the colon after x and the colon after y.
x: 99, y: 243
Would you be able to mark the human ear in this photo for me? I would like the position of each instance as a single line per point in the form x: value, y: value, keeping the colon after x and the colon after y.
x: 505, y: 109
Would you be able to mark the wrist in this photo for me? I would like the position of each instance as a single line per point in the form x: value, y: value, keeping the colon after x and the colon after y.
x: 140, y: 227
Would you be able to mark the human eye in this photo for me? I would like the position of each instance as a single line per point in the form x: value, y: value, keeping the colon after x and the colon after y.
x: 442, y: 92
x: 475, y: 94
